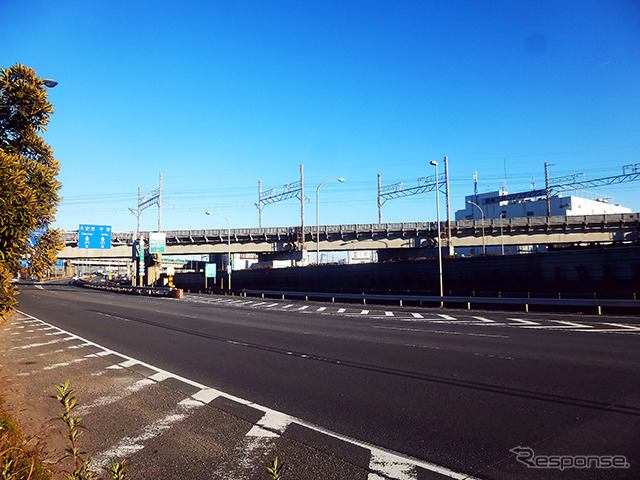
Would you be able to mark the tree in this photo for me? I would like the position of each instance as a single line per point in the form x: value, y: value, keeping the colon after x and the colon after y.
x: 28, y: 184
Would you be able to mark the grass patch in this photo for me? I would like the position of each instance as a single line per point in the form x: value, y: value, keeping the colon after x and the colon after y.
x: 17, y: 461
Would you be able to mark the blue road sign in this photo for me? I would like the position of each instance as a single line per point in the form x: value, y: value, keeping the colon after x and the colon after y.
x: 94, y: 236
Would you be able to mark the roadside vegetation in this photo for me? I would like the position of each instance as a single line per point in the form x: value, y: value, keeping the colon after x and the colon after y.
x: 17, y: 461
x: 28, y: 184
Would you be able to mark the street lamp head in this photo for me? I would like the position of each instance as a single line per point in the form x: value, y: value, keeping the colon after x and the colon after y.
x: 49, y: 83
x: 434, y: 163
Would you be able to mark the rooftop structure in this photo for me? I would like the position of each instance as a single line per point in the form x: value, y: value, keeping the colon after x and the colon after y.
x: 493, y: 207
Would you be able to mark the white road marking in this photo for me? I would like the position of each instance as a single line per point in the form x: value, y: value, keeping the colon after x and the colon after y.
x: 417, y: 315
x: 364, y: 312
x: 523, y: 322
x: 321, y: 309
x: 385, y: 460
x: 390, y: 466
x: 446, y: 317
x: 388, y: 314
x: 342, y: 310
x: 304, y: 307
x: 485, y: 320
x: 130, y: 445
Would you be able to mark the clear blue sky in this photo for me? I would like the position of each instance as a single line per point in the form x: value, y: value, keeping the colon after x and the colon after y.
x: 219, y: 94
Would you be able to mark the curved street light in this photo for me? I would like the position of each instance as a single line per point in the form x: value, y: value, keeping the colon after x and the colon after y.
x: 228, y: 246
x: 318, y: 216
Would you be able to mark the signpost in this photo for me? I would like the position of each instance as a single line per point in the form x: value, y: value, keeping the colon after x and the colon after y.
x: 94, y: 236
x: 209, y: 272
x: 157, y: 242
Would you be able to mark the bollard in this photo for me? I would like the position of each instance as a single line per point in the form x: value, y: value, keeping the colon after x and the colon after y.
x: 526, y: 307
x: 400, y: 302
x: 468, y: 305
x: 599, y: 310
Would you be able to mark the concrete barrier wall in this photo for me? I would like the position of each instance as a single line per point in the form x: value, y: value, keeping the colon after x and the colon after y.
x: 607, y: 272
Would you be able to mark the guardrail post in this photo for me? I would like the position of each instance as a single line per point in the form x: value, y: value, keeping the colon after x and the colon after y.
x: 468, y: 305
x: 599, y: 310
x: 400, y: 302
x: 526, y: 307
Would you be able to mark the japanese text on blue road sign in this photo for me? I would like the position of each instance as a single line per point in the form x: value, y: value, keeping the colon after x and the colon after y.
x: 94, y: 236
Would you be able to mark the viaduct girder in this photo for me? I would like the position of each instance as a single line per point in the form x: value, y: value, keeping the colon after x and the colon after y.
x: 616, y: 228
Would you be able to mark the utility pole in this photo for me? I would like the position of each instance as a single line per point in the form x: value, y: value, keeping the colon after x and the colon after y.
x: 291, y: 190
x: 379, y: 200
x: 302, y: 245
x: 259, y: 205
x: 160, y: 205
x: 546, y: 187
x: 446, y: 176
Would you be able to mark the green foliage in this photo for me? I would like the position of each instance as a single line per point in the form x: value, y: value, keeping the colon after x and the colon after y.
x: 66, y: 397
x: 275, y: 470
x: 16, y: 461
x: 28, y: 171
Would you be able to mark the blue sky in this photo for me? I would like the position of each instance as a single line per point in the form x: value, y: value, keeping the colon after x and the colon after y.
x: 219, y: 94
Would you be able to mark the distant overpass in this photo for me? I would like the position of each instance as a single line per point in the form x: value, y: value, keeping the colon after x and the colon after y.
x: 282, y: 241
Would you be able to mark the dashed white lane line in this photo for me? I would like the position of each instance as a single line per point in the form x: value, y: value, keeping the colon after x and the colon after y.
x: 417, y: 315
x: 445, y: 316
x: 271, y: 305
x: 387, y: 463
x: 342, y: 310
x: 286, y: 306
x: 364, y: 312
x: 321, y: 309
x: 522, y: 321
x: 303, y: 307
x: 484, y: 320
x: 388, y: 314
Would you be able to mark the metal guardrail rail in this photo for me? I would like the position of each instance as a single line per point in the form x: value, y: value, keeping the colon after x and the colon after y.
x: 597, y: 304
x: 155, y: 291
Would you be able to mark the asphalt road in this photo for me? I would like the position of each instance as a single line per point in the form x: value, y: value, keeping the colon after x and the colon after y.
x: 458, y: 389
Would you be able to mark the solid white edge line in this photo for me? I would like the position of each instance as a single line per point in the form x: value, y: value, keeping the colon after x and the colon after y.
x: 378, y: 451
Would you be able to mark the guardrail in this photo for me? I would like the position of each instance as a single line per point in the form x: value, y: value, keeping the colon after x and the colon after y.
x: 155, y: 291
x: 596, y: 304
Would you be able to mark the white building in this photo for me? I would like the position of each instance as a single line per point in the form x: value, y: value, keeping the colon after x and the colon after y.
x: 493, y: 207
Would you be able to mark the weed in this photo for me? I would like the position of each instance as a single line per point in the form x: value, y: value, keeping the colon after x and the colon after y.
x: 275, y: 470
x: 16, y: 461
x: 67, y: 399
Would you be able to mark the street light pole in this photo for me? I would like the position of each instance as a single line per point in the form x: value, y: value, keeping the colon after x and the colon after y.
x: 484, y: 249
x: 435, y: 164
x: 228, y: 246
x: 318, y: 216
